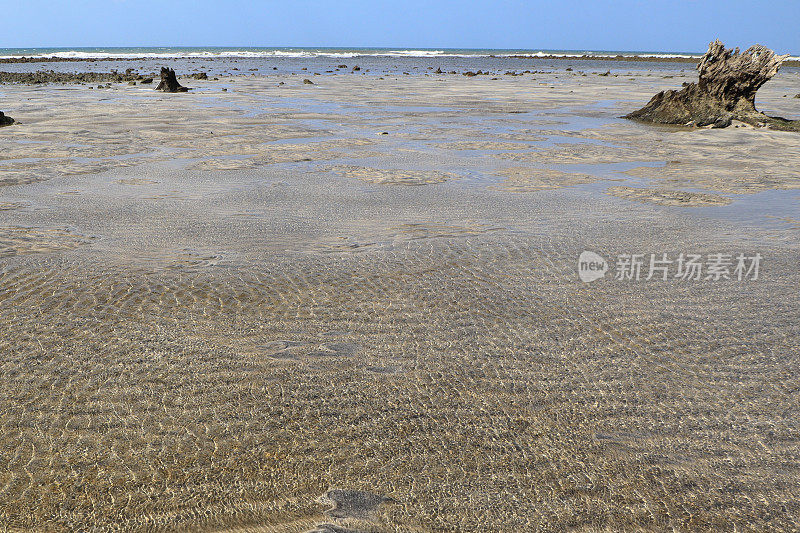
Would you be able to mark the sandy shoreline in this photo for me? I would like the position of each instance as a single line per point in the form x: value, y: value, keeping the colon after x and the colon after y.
x: 266, y: 305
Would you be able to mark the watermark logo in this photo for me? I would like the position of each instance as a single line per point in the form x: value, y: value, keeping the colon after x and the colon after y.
x: 591, y: 267
x: 686, y: 266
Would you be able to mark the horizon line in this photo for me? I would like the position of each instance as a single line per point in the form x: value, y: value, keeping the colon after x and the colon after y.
x: 341, y: 47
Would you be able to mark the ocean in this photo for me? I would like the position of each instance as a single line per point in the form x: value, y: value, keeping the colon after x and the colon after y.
x: 278, y: 52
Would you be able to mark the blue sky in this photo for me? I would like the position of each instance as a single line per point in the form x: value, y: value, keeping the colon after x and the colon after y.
x: 670, y: 25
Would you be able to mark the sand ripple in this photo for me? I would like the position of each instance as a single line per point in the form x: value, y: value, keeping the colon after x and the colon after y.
x: 669, y: 197
x: 385, y: 176
x: 447, y: 374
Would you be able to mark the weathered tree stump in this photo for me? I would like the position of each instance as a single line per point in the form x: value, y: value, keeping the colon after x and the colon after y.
x: 726, y: 91
x: 5, y: 121
x: 169, y: 83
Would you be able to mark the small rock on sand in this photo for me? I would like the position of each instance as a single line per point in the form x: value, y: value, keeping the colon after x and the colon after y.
x: 5, y: 121
x: 352, y: 503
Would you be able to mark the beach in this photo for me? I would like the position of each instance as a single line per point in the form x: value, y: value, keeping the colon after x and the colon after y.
x: 354, y: 304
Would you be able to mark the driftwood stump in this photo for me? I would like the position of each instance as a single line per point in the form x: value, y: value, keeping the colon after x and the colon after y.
x: 169, y: 83
x: 726, y: 91
x: 5, y: 121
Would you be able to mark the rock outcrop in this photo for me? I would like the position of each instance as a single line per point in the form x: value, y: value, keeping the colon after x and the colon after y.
x: 725, y: 91
x: 5, y: 121
x: 169, y: 83
x: 50, y: 76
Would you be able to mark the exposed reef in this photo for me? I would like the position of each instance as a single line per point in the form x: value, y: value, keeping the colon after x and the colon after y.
x: 50, y: 76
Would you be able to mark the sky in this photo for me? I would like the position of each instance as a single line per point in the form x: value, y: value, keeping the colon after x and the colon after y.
x: 635, y: 25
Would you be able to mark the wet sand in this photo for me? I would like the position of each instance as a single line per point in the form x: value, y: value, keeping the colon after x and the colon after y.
x: 355, y: 305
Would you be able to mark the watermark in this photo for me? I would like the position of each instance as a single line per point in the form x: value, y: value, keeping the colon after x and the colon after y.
x: 591, y: 267
x: 661, y: 267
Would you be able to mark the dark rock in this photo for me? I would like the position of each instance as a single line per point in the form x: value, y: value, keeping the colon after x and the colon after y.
x: 200, y: 76
x: 5, y: 121
x: 725, y: 91
x: 169, y: 83
x: 353, y: 503
x: 50, y: 76
x: 308, y: 82
x: 470, y: 73
x: 606, y: 73
x: 146, y: 81
x: 722, y: 122
x: 797, y: 95
x: 356, y: 68
x: 331, y: 528
x: 341, y: 66
x: 437, y: 71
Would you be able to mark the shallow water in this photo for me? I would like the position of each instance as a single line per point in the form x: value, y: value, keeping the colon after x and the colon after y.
x: 255, y: 311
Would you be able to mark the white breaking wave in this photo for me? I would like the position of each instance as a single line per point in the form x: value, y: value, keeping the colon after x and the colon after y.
x: 76, y: 54
x: 267, y: 53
